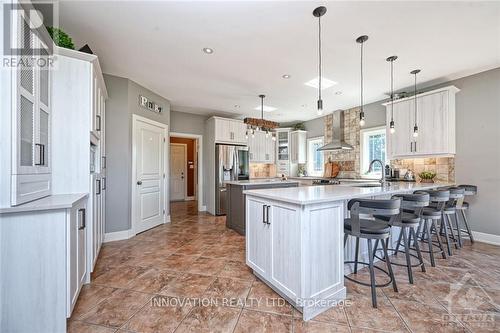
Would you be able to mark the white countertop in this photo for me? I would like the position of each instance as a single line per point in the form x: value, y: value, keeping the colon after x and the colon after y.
x: 327, y: 193
x: 58, y: 201
x: 264, y: 181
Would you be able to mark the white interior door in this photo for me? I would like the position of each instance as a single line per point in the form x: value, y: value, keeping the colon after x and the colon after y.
x: 178, y: 155
x: 149, y: 141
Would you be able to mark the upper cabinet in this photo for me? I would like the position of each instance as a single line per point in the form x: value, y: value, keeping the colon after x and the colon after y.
x: 231, y: 131
x: 261, y: 148
x: 26, y: 97
x: 435, y: 120
x: 298, y: 147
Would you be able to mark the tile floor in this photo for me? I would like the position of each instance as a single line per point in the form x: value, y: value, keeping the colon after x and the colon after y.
x: 151, y: 283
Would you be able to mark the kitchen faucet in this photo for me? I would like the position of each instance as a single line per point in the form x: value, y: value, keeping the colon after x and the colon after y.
x: 370, y: 169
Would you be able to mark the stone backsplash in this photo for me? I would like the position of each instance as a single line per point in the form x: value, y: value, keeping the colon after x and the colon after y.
x: 262, y: 170
x: 348, y: 159
x: 444, y: 167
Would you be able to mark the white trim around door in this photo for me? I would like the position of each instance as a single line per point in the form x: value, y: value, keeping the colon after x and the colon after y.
x: 199, y: 177
x: 166, y: 217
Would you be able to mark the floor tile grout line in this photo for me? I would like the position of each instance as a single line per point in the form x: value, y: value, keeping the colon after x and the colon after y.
x: 407, y: 325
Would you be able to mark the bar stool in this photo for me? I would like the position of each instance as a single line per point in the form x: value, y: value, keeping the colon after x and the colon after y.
x: 470, y: 190
x: 408, y: 219
x: 450, y: 211
x: 371, y: 230
x: 430, y: 216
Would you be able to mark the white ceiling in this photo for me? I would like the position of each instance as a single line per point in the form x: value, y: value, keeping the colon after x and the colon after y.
x: 159, y: 45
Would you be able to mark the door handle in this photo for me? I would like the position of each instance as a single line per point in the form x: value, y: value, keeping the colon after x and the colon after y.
x: 41, y: 151
x: 104, y: 183
x: 139, y: 182
x: 98, y: 186
x: 264, y: 214
x: 83, y: 219
x: 267, y: 214
x: 98, y: 125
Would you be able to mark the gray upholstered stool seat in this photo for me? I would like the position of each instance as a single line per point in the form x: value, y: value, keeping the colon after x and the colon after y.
x: 368, y: 226
x: 431, y: 213
x: 406, y: 217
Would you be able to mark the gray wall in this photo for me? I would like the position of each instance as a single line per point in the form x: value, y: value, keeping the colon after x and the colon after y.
x: 182, y: 122
x: 478, y: 142
x: 122, y: 103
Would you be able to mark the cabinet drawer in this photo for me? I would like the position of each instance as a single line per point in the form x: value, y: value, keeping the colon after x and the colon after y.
x: 27, y: 188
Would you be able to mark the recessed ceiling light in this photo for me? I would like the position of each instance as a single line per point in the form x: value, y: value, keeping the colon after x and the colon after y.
x: 208, y: 50
x: 338, y: 92
x: 236, y: 106
x: 266, y: 108
x: 325, y: 83
x: 286, y: 76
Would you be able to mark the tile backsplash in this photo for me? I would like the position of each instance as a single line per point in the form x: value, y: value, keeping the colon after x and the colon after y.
x: 261, y: 170
x: 444, y: 167
x: 348, y: 160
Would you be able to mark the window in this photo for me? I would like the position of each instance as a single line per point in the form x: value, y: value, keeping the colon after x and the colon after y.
x: 315, y: 163
x: 372, y: 147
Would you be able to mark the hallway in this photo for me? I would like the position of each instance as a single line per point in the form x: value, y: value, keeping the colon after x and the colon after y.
x: 190, y: 275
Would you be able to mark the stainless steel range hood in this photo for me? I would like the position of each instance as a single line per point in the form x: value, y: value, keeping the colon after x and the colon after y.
x: 338, y: 142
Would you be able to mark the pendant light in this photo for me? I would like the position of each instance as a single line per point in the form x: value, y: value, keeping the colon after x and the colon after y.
x: 391, y: 59
x: 415, y: 127
x: 318, y: 12
x: 361, y: 40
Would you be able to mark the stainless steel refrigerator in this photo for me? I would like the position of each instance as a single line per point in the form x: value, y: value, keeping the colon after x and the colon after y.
x: 231, y: 163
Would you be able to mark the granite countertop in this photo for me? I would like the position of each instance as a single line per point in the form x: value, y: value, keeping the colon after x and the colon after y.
x: 263, y: 181
x: 327, y: 193
x: 52, y: 202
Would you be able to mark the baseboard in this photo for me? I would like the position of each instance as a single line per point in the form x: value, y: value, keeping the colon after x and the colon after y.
x: 118, y: 235
x: 190, y: 199
x: 486, y: 238
x: 168, y: 219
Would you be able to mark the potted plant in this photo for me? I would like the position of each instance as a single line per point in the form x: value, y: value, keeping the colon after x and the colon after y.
x: 427, y: 176
x: 61, y: 38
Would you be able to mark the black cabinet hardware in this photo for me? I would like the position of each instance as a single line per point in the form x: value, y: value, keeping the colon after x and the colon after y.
x: 98, y: 125
x: 98, y: 186
x: 83, y: 219
x: 41, y: 152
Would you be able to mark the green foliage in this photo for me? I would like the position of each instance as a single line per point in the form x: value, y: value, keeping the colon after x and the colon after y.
x: 61, y: 38
x: 299, y: 127
x: 427, y: 175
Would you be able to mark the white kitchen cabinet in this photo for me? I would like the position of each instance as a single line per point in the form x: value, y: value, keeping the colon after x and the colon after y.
x: 26, y: 115
x: 258, y: 237
x: 77, y: 253
x: 43, y: 262
x: 283, y: 151
x: 435, y: 120
x: 261, y: 148
x: 298, y: 147
x: 79, y: 136
x: 230, y: 131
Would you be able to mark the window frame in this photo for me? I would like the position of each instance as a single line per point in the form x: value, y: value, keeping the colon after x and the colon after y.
x: 310, y: 157
x: 364, y: 162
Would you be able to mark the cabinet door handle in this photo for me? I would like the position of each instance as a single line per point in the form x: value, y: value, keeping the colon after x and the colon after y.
x: 104, y: 162
x: 411, y: 147
x: 98, y: 186
x: 98, y: 125
x: 83, y: 218
x: 415, y: 148
x: 267, y: 214
x: 264, y: 214
x: 41, y: 152
x: 103, y: 183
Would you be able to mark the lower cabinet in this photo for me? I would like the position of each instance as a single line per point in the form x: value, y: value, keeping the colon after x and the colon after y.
x: 77, y: 254
x: 273, y: 233
x: 43, y: 262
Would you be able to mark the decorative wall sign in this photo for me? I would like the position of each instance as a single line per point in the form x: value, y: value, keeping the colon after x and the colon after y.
x: 150, y: 105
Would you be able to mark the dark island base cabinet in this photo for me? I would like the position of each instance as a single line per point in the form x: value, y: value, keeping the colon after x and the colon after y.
x: 235, y: 218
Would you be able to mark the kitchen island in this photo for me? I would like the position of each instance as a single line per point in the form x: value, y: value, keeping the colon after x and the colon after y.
x: 235, y: 217
x: 294, y: 240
